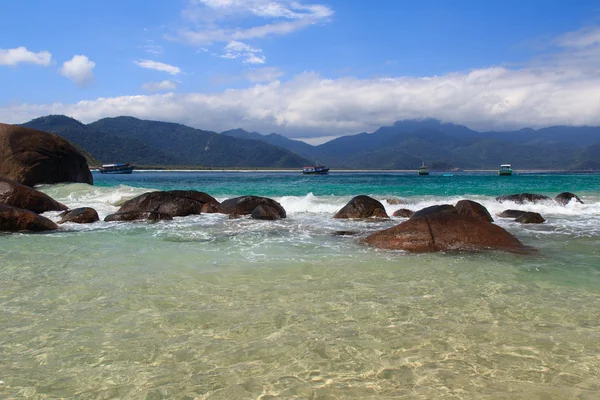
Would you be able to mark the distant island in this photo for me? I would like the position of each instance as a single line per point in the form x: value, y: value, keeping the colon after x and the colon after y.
x: 404, y: 145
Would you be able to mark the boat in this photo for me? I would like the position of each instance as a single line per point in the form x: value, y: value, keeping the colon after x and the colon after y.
x: 423, y: 170
x: 116, y: 168
x: 315, y: 170
x: 505, y: 170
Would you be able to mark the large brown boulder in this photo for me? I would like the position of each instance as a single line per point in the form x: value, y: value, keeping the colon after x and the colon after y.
x: 362, y: 207
x: 565, y: 197
x: 33, y: 157
x: 245, y: 205
x: 137, y: 216
x: 13, y: 219
x: 163, y: 202
x: 511, y: 213
x: 474, y: 209
x: 442, y: 232
x: 21, y: 196
x: 210, y: 204
x: 403, y: 213
x: 438, y: 209
x: 83, y: 215
x: 521, y: 198
x: 530, y: 218
x: 265, y: 212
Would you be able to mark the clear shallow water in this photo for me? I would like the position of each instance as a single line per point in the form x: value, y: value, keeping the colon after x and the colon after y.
x: 210, y: 308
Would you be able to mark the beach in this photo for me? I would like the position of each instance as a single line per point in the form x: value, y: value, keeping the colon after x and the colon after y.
x: 206, y: 307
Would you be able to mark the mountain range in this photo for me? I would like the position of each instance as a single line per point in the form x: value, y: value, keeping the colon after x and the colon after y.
x: 404, y: 145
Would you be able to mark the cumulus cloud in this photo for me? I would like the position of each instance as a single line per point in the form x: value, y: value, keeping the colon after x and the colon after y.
x: 159, y: 86
x: 158, y: 66
x: 310, y: 106
x: 22, y: 55
x: 249, y: 54
x: 79, y: 70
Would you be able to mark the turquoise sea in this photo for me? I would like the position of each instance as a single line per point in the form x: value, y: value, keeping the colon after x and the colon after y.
x: 204, y: 307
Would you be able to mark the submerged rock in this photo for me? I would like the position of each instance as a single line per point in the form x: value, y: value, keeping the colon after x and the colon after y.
x: 13, y: 219
x: 530, y: 218
x: 442, y: 232
x: 137, y: 216
x: 403, y: 213
x: 565, y: 198
x: 521, y: 198
x: 83, y: 215
x: 474, y: 209
x: 438, y: 209
x: 362, y: 207
x: 245, y: 205
x: 32, y: 157
x: 511, y: 213
x: 21, y: 196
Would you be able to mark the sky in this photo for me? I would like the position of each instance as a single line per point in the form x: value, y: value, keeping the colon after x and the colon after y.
x: 306, y: 69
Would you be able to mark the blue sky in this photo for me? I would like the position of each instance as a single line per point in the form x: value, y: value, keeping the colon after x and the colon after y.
x: 306, y: 69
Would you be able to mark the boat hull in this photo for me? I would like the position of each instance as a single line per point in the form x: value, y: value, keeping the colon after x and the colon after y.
x: 124, y: 171
x: 504, y: 173
x: 320, y: 172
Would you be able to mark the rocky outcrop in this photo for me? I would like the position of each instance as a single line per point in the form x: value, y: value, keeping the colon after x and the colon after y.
x: 165, y: 203
x: 209, y: 203
x: 21, y: 196
x: 443, y: 232
x: 245, y: 205
x: 403, y: 213
x: 137, y: 216
x: 522, y: 198
x: 265, y: 212
x: 438, y: 209
x: 511, y: 213
x: 33, y: 157
x: 565, y: 198
x: 530, y: 218
x: 362, y: 207
x: 474, y: 209
x: 83, y: 215
x: 13, y: 219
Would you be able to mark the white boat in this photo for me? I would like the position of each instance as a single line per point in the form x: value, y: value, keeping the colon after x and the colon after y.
x: 116, y: 168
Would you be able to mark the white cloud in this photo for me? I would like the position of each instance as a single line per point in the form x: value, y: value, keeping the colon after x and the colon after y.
x: 22, y: 55
x: 311, y: 106
x: 156, y: 65
x: 265, y: 74
x: 159, y: 86
x: 249, y: 54
x: 152, y: 48
x: 79, y: 70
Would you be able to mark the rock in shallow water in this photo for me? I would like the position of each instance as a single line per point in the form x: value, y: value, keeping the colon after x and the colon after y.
x: 521, y: 198
x: 137, y: 216
x: 530, y: 218
x: 164, y: 202
x: 511, y: 213
x: 403, y: 213
x: 83, y: 215
x: 16, y: 195
x: 13, y: 219
x: 437, y: 209
x: 362, y: 207
x: 565, y: 197
x: 245, y: 205
x: 474, y: 209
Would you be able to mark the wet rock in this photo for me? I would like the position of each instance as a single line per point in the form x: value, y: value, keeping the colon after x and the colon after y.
x: 438, y: 209
x: 32, y: 157
x: 403, y: 213
x: 511, y: 213
x: 165, y: 203
x: 443, y: 232
x: 362, y: 207
x: 21, y: 196
x: 522, y: 198
x: 210, y: 204
x: 265, y: 212
x: 345, y: 233
x: 137, y: 216
x: 393, y: 201
x: 530, y: 218
x: 474, y: 209
x: 244, y: 205
x: 13, y: 219
x: 83, y: 215
x: 565, y: 197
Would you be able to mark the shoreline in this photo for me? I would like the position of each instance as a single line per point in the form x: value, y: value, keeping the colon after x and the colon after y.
x: 345, y: 171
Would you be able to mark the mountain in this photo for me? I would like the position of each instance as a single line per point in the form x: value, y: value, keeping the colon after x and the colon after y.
x: 299, y: 147
x: 128, y: 139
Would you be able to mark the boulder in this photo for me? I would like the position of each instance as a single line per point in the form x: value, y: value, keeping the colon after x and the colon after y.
x: 265, y: 212
x: 137, y: 216
x: 83, y: 215
x: 13, y: 219
x: 474, y: 209
x: 32, y: 157
x: 565, y: 197
x: 521, y: 198
x: 403, y: 213
x: 511, y: 213
x: 442, y: 232
x: 163, y: 202
x: 210, y: 204
x: 21, y: 196
x: 345, y: 233
x: 530, y: 218
x: 244, y: 205
x: 439, y: 209
x: 362, y: 207
x: 394, y: 201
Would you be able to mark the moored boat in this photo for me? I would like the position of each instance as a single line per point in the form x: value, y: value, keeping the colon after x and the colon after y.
x: 423, y: 170
x: 116, y: 168
x: 315, y: 170
x: 505, y: 170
